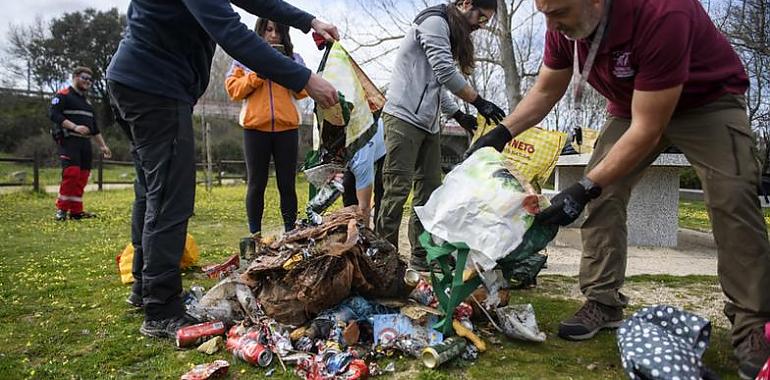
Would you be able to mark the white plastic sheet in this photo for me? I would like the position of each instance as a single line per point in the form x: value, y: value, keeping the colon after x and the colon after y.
x: 519, y: 322
x: 482, y: 204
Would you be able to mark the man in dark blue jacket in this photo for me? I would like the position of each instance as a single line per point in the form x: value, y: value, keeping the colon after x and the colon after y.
x: 159, y: 71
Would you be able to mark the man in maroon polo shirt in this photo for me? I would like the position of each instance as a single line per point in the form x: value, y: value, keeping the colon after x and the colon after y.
x: 670, y: 77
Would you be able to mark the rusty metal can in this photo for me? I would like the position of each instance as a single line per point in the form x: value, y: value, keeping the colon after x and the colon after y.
x: 441, y: 353
x: 189, y: 336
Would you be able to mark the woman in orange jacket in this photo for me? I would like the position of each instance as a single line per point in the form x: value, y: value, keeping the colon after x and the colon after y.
x: 270, y: 118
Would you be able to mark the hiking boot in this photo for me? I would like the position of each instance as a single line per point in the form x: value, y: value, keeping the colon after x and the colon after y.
x: 61, y: 215
x: 752, y: 353
x: 135, y: 300
x: 591, y: 318
x: 164, y: 328
x: 82, y: 215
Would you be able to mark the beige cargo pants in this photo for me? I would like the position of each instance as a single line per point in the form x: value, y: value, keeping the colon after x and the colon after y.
x: 413, y: 162
x: 718, y: 142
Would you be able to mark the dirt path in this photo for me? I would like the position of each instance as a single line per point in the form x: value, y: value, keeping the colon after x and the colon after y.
x: 695, y: 255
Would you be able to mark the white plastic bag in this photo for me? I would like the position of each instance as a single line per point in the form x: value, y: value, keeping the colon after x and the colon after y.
x: 484, y: 205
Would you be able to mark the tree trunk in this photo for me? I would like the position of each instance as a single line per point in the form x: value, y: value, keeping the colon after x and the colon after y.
x: 507, y: 56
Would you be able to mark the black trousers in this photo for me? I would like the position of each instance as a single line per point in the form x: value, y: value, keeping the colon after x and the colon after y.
x: 137, y: 223
x: 162, y: 134
x: 258, y: 147
x: 75, y: 151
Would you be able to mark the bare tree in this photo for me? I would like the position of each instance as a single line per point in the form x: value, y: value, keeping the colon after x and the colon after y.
x: 20, y: 54
x: 504, y: 50
x: 747, y: 24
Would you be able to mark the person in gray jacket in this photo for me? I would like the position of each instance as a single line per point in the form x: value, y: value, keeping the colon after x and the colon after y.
x: 426, y: 67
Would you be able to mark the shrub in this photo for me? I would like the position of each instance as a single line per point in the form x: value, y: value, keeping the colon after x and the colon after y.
x: 688, y: 179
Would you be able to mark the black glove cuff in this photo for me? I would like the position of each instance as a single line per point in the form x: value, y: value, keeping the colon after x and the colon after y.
x: 503, y: 131
x: 592, y: 189
x: 457, y: 115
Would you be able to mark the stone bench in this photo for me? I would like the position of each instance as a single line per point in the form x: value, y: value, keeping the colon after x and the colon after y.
x: 653, y: 211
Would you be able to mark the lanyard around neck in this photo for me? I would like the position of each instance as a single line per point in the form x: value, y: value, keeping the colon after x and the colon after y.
x: 581, y: 77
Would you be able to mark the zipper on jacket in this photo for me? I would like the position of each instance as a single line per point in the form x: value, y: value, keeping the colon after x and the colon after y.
x: 272, y: 108
x: 419, y: 103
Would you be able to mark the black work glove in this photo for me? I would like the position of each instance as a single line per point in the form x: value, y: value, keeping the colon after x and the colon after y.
x: 569, y: 203
x: 489, y: 110
x: 468, y: 122
x: 496, y: 138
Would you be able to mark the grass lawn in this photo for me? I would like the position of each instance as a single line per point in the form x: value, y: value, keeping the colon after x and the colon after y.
x: 693, y: 215
x: 64, y: 315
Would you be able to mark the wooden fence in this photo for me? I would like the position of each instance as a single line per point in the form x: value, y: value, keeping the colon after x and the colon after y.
x: 219, y: 172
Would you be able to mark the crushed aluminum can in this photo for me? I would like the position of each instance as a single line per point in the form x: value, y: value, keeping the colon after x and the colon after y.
x: 309, y: 369
x: 304, y: 344
x: 423, y: 294
x: 193, y: 295
x: 197, y: 291
x: 337, y: 362
x: 206, y: 371
x: 408, y: 346
x: 463, y: 311
x: 470, y: 354
x: 220, y: 271
x: 357, y: 370
x: 374, y: 369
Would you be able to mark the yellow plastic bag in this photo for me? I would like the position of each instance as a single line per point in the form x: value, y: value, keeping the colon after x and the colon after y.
x: 125, y: 260
x: 534, y: 152
x: 191, y: 253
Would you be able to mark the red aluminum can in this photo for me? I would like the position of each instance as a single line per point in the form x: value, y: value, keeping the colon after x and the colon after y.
x: 253, y: 352
x: 189, y: 336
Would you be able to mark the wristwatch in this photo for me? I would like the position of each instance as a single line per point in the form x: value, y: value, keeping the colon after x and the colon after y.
x: 593, y: 190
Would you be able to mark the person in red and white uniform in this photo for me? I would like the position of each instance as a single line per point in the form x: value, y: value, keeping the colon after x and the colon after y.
x: 74, y: 126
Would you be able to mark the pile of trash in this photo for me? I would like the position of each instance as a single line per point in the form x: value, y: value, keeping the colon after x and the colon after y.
x: 333, y: 301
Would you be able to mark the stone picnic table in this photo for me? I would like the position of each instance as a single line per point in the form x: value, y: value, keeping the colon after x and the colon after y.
x: 653, y: 210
